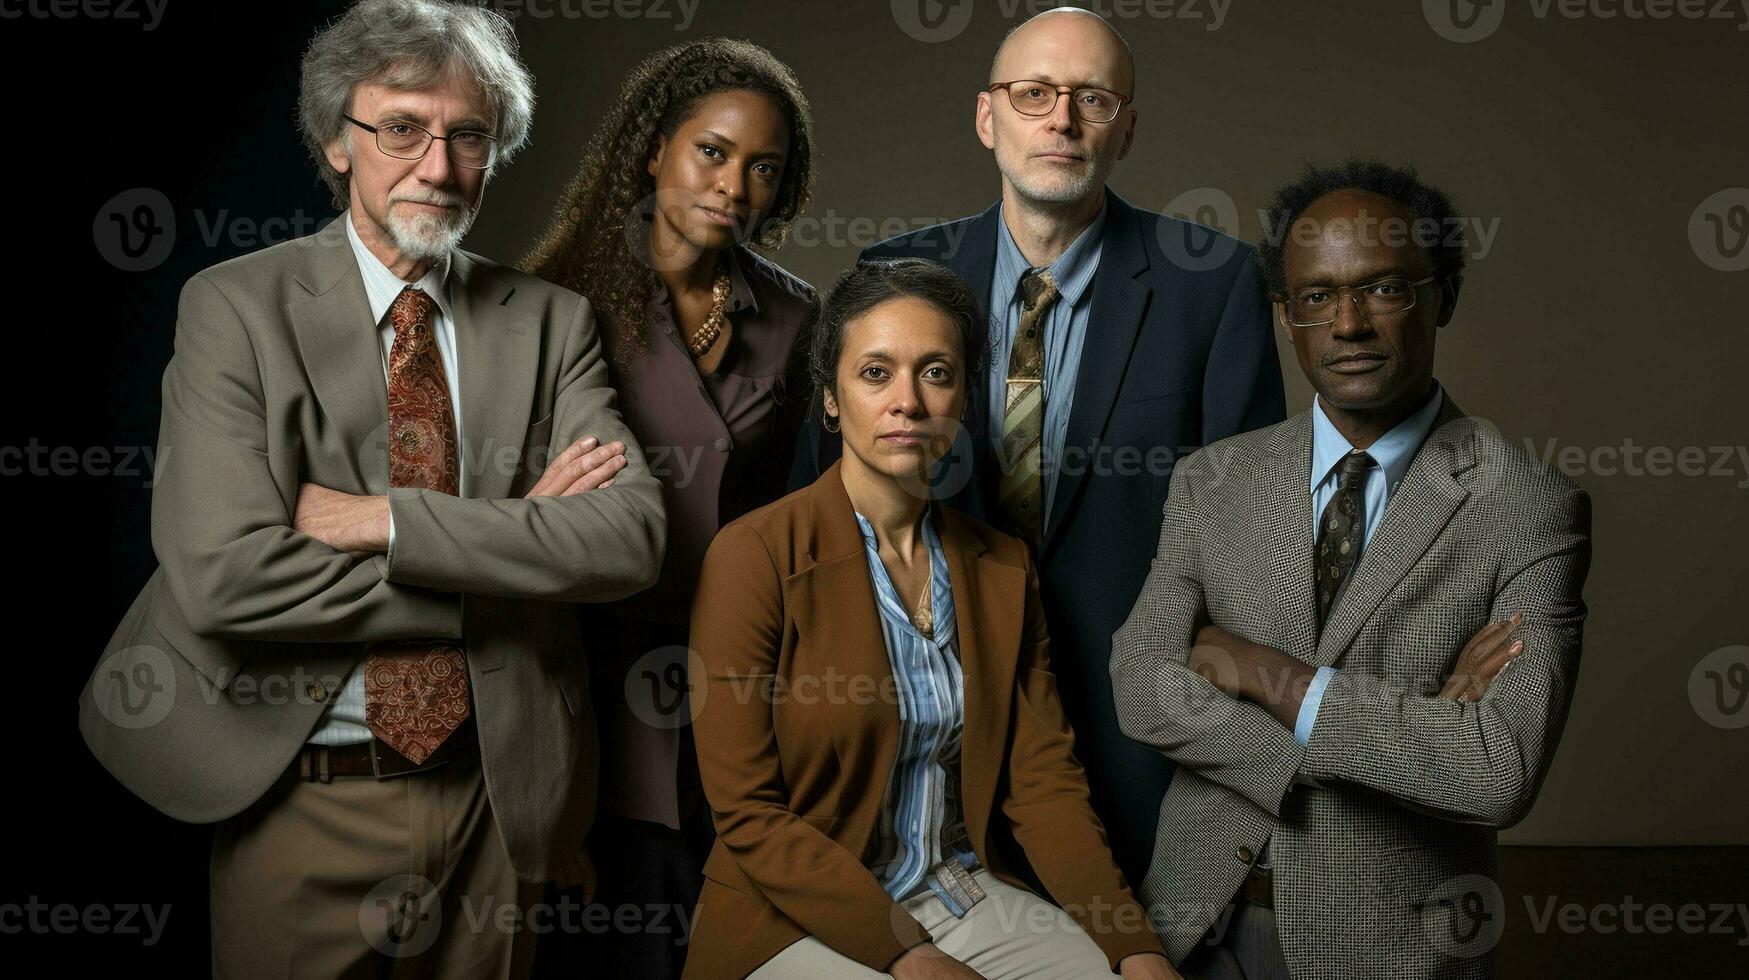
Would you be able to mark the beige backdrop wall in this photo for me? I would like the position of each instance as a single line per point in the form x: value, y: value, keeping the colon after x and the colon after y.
x: 1602, y: 320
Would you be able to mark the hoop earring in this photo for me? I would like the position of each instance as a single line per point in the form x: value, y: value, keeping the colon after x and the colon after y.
x: 827, y: 423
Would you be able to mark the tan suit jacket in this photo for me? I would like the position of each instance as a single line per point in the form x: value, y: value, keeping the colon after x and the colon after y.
x: 224, y: 663
x: 797, y: 727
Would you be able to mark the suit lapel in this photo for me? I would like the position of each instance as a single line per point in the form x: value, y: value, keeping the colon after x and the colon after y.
x: 1286, y: 527
x: 337, y: 338
x: 989, y: 601
x: 1418, y: 511
x: 835, y: 610
x: 499, y: 355
x: 1119, y: 302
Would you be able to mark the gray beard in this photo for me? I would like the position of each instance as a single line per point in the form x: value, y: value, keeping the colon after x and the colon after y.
x: 428, y: 238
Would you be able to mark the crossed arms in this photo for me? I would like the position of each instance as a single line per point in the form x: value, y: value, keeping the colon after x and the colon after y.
x: 251, y: 552
x: 1474, y: 753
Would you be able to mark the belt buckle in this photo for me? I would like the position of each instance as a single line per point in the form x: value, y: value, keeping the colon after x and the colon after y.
x: 385, y: 762
x: 958, y: 882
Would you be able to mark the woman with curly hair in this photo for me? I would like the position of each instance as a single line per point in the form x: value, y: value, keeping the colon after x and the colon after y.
x: 706, y: 156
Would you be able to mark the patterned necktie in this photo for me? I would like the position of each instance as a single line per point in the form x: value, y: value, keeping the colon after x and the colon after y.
x: 416, y: 691
x: 1340, y: 530
x: 1019, y: 490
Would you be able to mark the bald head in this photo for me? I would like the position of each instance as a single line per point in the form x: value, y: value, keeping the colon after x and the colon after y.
x: 1067, y: 46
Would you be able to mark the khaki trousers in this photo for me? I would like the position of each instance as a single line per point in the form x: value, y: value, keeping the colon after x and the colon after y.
x: 360, y: 877
x: 1011, y: 935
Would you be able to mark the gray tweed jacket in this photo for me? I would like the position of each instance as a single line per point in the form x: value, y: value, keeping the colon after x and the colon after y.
x: 1382, y: 829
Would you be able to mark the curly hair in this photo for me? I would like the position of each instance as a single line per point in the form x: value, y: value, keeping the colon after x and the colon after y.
x: 1430, y: 206
x: 586, y: 246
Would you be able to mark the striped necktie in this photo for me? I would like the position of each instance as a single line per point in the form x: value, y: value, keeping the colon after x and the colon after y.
x: 1019, y: 493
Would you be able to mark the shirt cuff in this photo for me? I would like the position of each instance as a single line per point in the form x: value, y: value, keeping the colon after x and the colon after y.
x: 391, y: 551
x: 1308, y: 715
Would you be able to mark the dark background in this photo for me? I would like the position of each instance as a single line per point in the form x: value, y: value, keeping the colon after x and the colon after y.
x: 1603, y: 311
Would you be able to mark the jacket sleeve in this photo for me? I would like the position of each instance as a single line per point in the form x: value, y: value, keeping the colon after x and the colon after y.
x: 1478, y: 762
x: 222, y: 528
x: 1161, y: 702
x: 587, y: 547
x: 737, y: 631
x: 1049, y: 808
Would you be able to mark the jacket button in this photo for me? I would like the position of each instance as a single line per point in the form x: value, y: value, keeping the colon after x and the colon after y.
x: 722, y: 445
x: 1243, y: 854
x: 317, y: 692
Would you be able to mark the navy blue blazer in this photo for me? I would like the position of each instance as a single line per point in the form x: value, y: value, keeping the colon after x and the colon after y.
x: 1179, y: 353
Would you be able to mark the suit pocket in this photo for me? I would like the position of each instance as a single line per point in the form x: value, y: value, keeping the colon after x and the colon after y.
x: 1152, y: 404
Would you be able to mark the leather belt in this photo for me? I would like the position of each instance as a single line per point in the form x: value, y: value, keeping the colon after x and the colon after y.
x: 1259, y: 887
x: 322, y: 763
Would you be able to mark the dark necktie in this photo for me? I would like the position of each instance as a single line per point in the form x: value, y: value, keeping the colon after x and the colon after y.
x: 1340, y: 530
x: 1019, y: 490
x: 416, y: 691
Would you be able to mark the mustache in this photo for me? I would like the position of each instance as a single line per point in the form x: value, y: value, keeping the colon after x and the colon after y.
x: 438, y: 198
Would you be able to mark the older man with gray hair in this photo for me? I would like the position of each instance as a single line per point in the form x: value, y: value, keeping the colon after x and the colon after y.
x: 357, y: 656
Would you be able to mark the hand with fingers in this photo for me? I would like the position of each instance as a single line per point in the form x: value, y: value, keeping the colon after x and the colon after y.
x: 584, y: 465
x: 1482, y: 659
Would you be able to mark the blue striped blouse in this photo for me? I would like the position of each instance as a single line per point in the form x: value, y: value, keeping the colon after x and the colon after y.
x: 922, y: 822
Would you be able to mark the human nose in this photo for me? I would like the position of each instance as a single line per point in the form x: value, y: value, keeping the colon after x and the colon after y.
x: 1062, y: 118
x: 1351, y: 316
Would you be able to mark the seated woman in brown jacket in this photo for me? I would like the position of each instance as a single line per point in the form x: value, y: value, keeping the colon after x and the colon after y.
x: 874, y: 703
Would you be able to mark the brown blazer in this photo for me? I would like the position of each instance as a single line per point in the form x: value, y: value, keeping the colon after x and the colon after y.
x: 797, y: 727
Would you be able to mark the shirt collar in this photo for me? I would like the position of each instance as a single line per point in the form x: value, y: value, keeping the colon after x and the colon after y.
x: 741, y: 296
x: 382, y: 286
x: 740, y: 291
x: 1393, y: 452
x: 1073, y: 270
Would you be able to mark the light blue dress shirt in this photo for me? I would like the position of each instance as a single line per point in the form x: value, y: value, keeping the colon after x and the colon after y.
x: 922, y: 822
x: 343, y: 721
x: 1066, y: 325
x: 1393, y: 452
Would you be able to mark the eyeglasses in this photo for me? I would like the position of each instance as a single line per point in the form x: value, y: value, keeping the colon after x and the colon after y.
x: 405, y: 141
x: 1031, y: 97
x: 1315, y: 306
